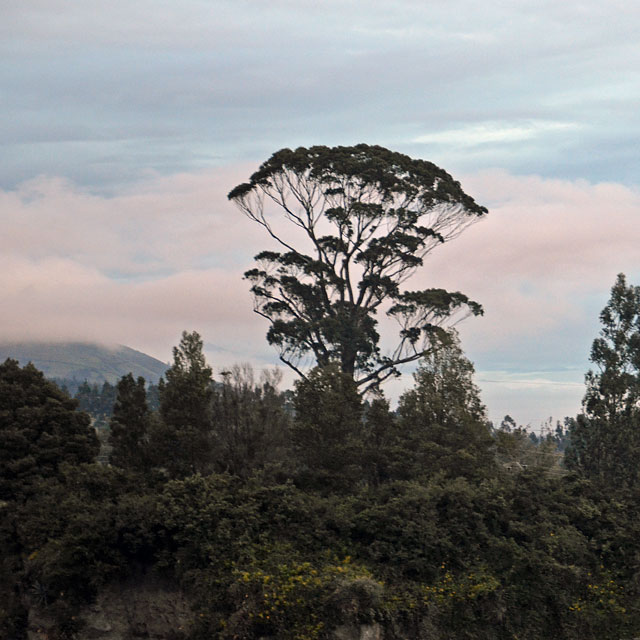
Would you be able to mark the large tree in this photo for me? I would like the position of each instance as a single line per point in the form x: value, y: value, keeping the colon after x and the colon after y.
x: 359, y: 221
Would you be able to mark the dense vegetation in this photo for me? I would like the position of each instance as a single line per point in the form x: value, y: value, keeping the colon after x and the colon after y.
x: 287, y: 514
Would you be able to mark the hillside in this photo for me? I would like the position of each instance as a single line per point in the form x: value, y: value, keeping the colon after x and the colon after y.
x: 84, y: 361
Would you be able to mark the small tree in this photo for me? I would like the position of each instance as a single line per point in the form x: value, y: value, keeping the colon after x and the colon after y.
x: 185, y: 437
x: 367, y: 218
x: 605, y: 438
x: 129, y: 425
x: 444, y: 421
x: 249, y: 421
x: 382, y: 452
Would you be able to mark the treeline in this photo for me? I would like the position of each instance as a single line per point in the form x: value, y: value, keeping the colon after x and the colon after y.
x: 98, y: 399
x: 323, y: 436
x: 286, y: 515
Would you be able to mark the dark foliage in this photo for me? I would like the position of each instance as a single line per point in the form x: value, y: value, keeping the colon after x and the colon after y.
x: 605, y: 438
x: 130, y: 426
x: 183, y: 441
x: 249, y: 423
x: 286, y: 517
x: 97, y: 401
x: 40, y: 430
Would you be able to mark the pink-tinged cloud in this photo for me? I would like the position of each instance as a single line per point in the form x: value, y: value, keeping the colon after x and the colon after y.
x: 168, y: 254
x: 134, y: 268
x: 164, y: 224
x: 58, y: 299
x: 543, y: 248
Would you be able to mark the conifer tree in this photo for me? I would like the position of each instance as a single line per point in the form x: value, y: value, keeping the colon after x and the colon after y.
x: 40, y: 430
x: 129, y: 425
x: 444, y: 422
x: 605, y: 438
x: 186, y: 439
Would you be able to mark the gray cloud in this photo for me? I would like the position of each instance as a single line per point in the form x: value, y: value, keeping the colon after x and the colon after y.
x: 102, y: 93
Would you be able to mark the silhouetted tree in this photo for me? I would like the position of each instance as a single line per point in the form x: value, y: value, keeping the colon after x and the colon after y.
x: 365, y: 219
x: 129, y: 425
x: 185, y: 441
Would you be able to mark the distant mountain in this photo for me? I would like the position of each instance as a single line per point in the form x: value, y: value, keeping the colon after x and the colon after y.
x: 84, y: 361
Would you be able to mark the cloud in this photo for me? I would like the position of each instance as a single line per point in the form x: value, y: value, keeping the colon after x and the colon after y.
x: 58, y: 299
x: 542, y: 264
x: 168, y: 253
x: 493, y: 132
x: 102, y: 93
x: 135, y: 268
x: 568, y: 231
x: 546, y: 253
x: 161, y: 225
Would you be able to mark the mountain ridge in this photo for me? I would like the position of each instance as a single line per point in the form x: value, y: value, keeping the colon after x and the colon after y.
x: 83, y: 360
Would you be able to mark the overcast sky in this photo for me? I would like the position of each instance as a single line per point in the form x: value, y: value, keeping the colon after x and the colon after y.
x: 123, y: 125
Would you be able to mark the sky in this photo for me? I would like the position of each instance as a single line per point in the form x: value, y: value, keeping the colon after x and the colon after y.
x: 123, y: 125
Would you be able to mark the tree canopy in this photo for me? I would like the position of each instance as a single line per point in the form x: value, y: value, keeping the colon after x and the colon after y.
x: 363, y: 220
x: 313, y: 513
x: 40, y: 430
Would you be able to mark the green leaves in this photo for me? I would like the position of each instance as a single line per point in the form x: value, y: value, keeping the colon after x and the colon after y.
x: 40, y: 430
x: 326, y: 435
x: 130, y: 425
x: 183, y: 443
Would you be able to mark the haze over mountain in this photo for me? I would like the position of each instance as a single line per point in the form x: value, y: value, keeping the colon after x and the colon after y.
x: 84, y: 361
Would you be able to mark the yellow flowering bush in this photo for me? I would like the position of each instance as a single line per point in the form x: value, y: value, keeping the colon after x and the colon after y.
x: 451, y: 602
x: 465, y: 587
x: 300, y: 600
x: 603, y: 604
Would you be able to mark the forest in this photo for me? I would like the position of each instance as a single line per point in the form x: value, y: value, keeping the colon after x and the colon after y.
x: 290, y: 514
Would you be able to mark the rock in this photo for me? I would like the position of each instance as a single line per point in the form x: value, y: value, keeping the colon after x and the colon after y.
x: 145, y: 608
x: 358, y: 632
